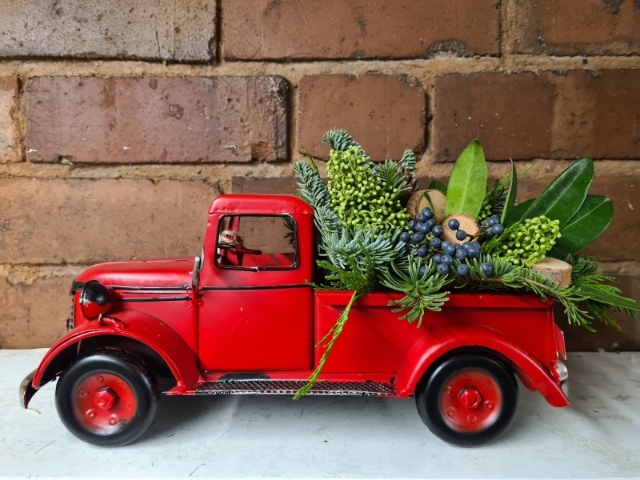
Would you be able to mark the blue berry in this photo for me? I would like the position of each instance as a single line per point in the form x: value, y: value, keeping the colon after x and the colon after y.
x: 406, y: 249
x: 463, y: 270
x: 449, y: 249
x: 454, y: 224
x: 473, y: 253
x: 437, y: 231
x: 422, y: 270
x: 445, y: 244
x: 461, y: 234
x: 422, y: 218
x: 437, y: 257
x: 497, y: 229
x: 443, y: 269
x: 447, y: 259
x: 475, y: 245
x: 431, y: 223
x: 461, y: 254
x: 412, y: 225
x: 417, y: 237
x: 491, y: 222
x: 467, y: 246
x: 405, y: 237
x: 422, y: 252
x: 427, y: 211
x: 457, y: 246
x: 435, y: 242
x: 487, y: 269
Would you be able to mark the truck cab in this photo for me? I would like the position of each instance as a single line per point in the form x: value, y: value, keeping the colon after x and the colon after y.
x: 242, y: 317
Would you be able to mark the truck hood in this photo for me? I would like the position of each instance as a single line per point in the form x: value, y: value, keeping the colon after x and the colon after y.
x: 163, y: 272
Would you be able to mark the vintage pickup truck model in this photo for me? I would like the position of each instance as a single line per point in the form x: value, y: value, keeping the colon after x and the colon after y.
x: 242, y: 318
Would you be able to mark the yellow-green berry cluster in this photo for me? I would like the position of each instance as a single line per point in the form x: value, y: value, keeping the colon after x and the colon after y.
x: 485, y: 212
x: 361, y: 198
x: 529, y: 242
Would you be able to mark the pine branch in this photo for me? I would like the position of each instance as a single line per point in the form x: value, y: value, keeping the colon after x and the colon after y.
x: 339, y: 140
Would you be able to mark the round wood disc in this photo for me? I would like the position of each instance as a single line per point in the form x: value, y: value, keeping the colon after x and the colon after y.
x: 417, y: 202
x: 467, y: 223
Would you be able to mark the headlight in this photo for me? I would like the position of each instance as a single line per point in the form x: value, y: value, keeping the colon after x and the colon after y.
x: 95, y: 300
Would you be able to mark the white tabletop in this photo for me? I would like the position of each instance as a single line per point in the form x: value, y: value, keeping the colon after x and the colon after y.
x: 273, y: 436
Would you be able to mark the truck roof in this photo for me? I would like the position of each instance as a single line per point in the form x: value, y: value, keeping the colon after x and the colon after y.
x: 260, y: 204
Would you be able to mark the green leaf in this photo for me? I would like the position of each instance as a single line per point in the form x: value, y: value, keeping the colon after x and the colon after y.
x: 468, y: 182
x: 564, y: 197
x: 511, y: 196
x: 517, y: 211
x: 593, y: 218
x: 436, y: 185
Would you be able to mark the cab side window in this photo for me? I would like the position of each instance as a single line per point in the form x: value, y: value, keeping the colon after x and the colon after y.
x: 257, y: 242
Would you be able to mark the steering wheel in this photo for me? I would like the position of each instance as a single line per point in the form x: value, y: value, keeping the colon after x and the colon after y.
x: 239, y: 252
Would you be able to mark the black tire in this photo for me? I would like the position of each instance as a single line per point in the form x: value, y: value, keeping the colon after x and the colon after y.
x: 451, y: 404
x: 81, y: 404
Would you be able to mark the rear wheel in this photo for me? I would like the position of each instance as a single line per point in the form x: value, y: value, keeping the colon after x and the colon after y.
x: 106, y: 399
x: 468, y: 400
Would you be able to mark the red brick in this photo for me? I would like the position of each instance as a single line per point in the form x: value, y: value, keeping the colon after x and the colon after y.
x: 9, y: 136
x: 606, y: 338
x: 309, y: 29
x: 34, y: 314
x: 149, y: 120
x: 89, y: 221
x: 548, y: 115
x: 597, y: 114
x: 386, y: 115
x: 145, y: 29
x: 510, y: 115
x: 624, y: 230
x: 577, y: 27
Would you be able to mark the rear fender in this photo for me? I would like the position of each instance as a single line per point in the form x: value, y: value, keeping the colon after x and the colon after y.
x: 440, y: 341
x: 141, y: 327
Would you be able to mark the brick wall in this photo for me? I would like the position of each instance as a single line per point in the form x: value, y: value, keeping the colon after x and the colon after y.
x: 119, y: 125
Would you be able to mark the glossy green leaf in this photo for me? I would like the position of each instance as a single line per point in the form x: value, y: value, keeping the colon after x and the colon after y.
x: 565, y: 195
x: 593, y: 218
x: 436, y: 185
x: 511, y: 196
x: 517, y: 212
x: 468, y: 182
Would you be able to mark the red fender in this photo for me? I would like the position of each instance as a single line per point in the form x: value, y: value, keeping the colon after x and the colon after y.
x: 141, y: 327
x: 441, y: 340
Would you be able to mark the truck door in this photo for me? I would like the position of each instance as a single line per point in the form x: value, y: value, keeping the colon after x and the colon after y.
x: 256, y: 310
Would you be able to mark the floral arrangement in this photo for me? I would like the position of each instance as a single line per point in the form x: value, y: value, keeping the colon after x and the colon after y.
x: 377, y: 232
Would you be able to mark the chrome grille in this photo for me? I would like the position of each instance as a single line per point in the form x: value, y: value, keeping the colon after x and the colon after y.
x: 290, y: 387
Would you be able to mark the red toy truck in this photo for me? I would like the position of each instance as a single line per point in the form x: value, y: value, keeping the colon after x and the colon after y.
x: 242, y: 318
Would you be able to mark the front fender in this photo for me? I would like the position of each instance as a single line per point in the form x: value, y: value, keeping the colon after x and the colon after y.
x: 439, y: 341
x: 144, y: 328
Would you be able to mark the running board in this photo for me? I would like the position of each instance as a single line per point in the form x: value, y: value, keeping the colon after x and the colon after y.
x: 290, y: 387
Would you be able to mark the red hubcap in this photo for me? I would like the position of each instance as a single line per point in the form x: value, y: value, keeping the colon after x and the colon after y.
x: 470, y: 401
x: 104, y: 402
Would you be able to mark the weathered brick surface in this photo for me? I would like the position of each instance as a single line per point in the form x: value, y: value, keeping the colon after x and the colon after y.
x: 140, y: 120
x: 621, y: 241
x: 386, y: 115
x: 597, y: 114
x: 34, y: 314
x: 577, y: 27
x: 307, y: 29
x: 547, y: 115
x: 9, y: 141
x: 578, y: 339
x: 146, y: 29
x: 88, y: 221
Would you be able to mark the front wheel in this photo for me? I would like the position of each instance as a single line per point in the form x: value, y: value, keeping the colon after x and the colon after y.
x: 468, y: 400
x: 106, y: 399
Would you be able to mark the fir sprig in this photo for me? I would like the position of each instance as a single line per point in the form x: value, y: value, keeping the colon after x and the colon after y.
x: 422, y: 292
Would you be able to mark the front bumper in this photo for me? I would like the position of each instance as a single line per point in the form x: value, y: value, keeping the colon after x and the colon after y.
x: 26, y: 390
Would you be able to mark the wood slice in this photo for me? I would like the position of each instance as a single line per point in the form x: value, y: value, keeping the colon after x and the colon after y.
x: 417, y: 202
x: 556, y: 270
x: 467, y: 223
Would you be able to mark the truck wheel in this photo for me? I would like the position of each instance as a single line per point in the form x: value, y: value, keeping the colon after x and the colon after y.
x: 470, y: 399
x: 106, y: 399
